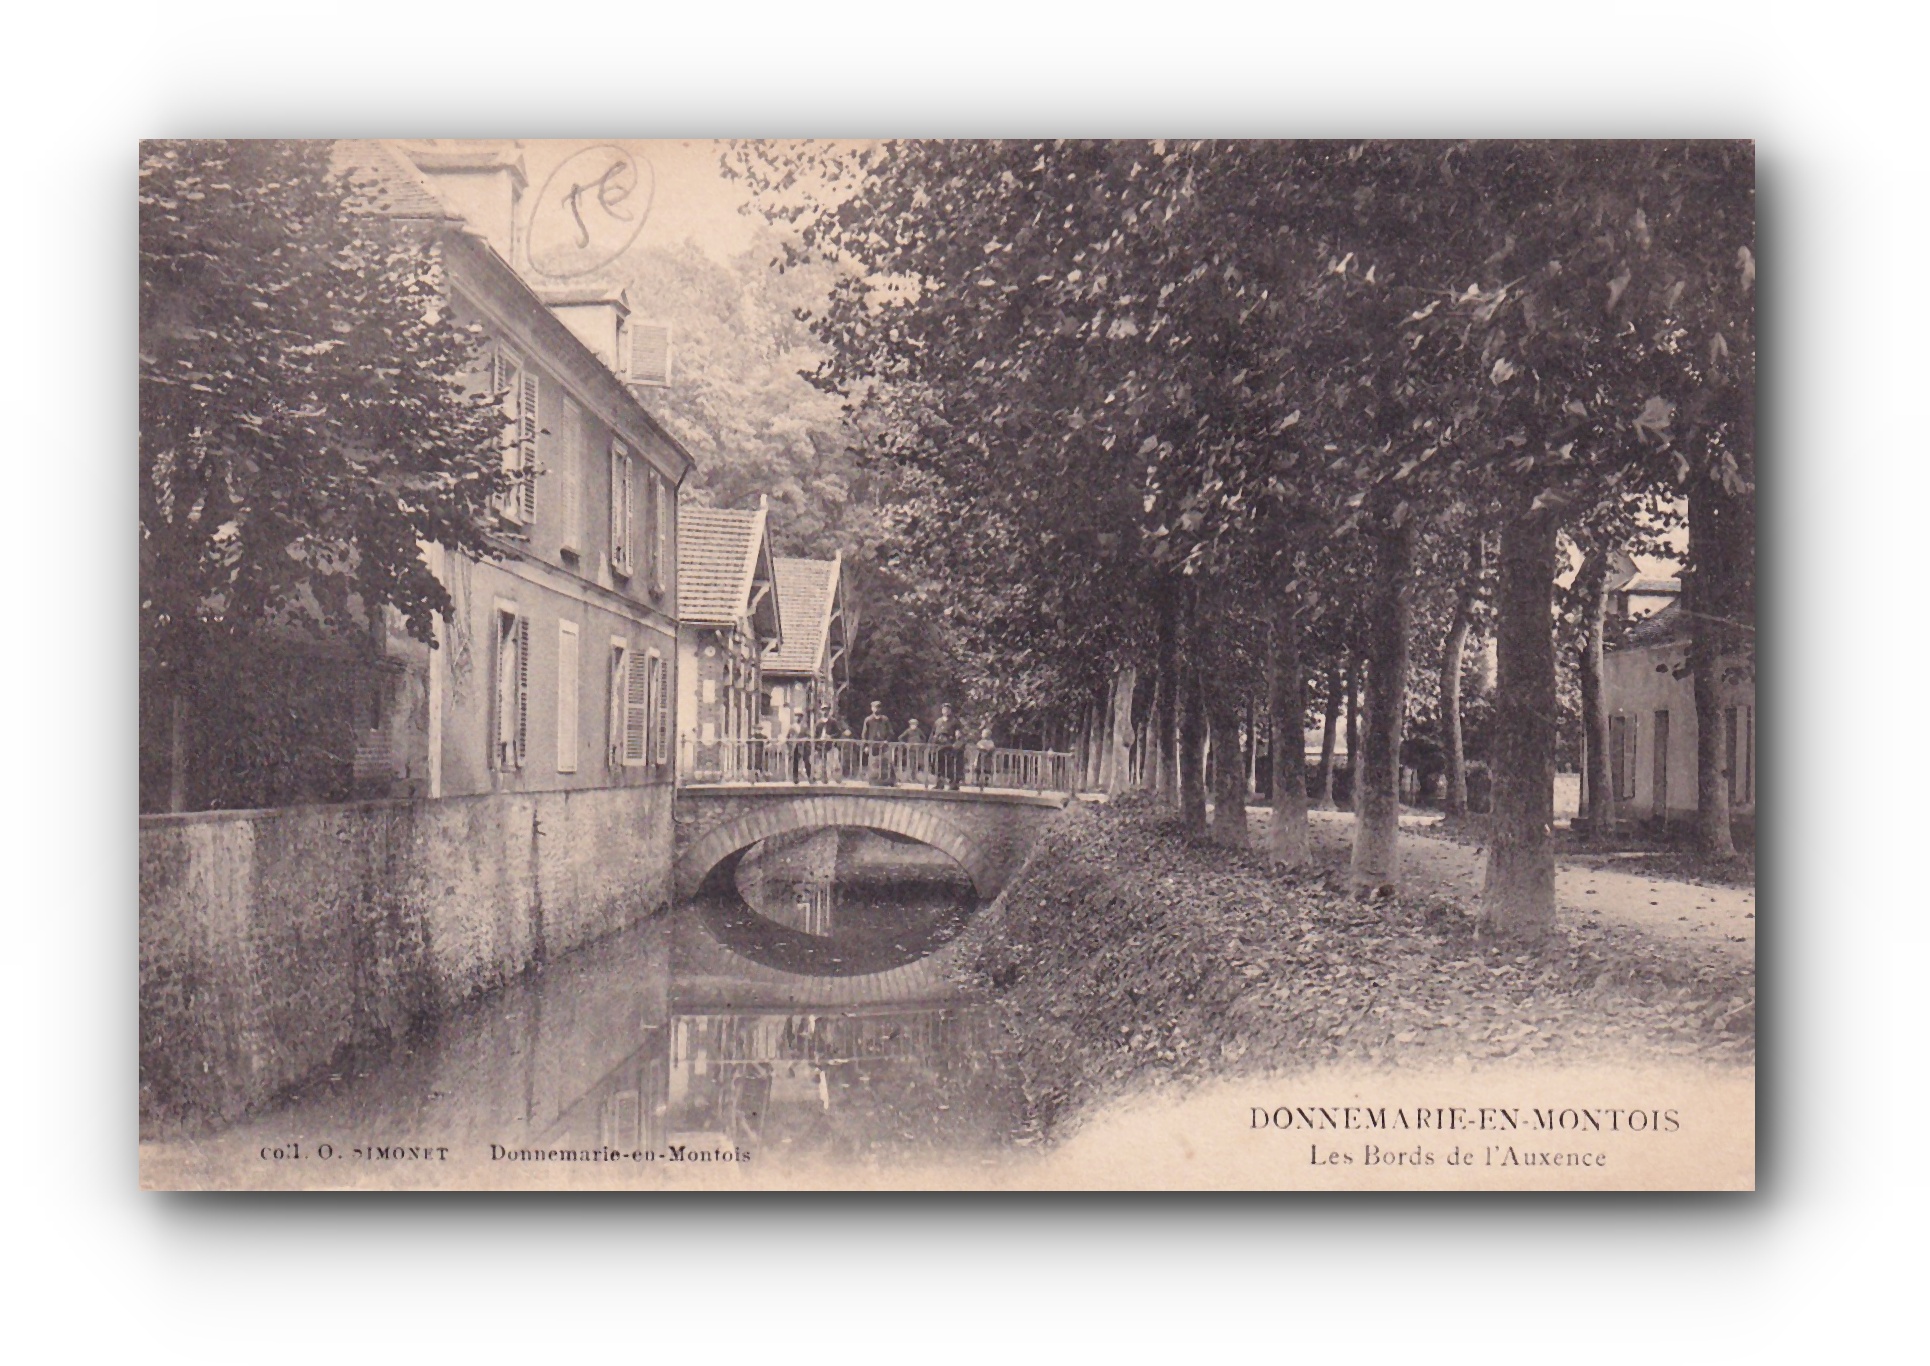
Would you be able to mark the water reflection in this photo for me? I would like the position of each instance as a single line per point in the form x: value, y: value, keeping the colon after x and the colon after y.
x: 661, y: 1038
x: 839, y: 1085
x: 837, y: 902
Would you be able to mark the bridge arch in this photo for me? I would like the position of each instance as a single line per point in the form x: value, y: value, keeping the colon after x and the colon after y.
x: 915, y: 820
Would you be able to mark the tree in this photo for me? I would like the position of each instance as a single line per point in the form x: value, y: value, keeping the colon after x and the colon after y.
x: 310, y: 415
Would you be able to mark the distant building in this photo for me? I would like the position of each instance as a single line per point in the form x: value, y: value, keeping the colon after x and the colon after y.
x: 807, y: 670
x: 730, y: 621
x: 1649, y: 695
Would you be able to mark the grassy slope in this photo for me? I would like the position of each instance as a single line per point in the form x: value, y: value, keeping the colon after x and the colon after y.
x: 1129, y: 955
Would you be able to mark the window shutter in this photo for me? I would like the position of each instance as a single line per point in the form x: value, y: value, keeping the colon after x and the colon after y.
x: 649, y: 501
x: 636, y: 715
x: 509, y: 383
x: 505, y: 689
x: 566, y: 696
x: 649, y: 354
x: 620, y: 519
x: 522, y: 690
x: 619, y: 685
x: 663, y: 711
x: 526, y: 441
x: 572, y: 469
x: 666, y: 498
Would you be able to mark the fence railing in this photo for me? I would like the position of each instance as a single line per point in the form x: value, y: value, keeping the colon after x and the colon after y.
x: 875, y: 763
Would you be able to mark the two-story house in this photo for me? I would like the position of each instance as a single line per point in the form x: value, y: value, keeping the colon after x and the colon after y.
x: 729, y: 621
x: 556, y: 668
x: 806, y: 670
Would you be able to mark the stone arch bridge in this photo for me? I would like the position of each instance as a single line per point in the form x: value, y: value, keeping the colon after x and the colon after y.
x: 987, y: 833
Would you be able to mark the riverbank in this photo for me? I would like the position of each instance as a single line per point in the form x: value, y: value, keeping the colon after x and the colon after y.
x: 1131, y: 959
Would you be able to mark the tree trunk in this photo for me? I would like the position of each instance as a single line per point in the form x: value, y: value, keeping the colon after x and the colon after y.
x: 1252, y: 761
x: 178, y: 747
x: 1166, y: 705
x: 1353, y: 732
x: 1453, y: 665
x: 1121, y: 747
x: 1377, y: 778
x: 1518, y: 900
x: 1706, y: 597
x: 1598, y: 795
x: 1328, y: 733
x: 1192, y: 748
x: 1289, y: 844
x: 1228, y: 772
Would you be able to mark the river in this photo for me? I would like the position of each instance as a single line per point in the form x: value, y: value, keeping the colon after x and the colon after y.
x: 798, y: 1019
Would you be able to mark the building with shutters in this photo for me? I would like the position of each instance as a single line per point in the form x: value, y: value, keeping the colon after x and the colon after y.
x: 806, y: 670
x: 556, y: 670
x: 1649, y: 695
x: 730, y: 619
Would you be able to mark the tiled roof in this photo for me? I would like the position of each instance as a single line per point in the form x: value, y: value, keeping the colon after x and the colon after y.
x: 716, y: 560
x: 1665, y: 627
x: 806, y: 590
x: 387, y: 183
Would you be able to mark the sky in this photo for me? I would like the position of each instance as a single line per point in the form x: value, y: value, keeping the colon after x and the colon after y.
x: 692, y: 199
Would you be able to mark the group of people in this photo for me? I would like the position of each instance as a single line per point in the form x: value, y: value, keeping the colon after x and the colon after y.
x: 937, y: 755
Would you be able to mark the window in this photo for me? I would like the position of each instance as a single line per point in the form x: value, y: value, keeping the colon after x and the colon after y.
x: 1739, y: 725
x: 619, y: 686
x: 1621, y: 757
x: 636, y: 712
x: 575, y: 460
x: 666, y: 502
x: 511, y: 743
x: 649, y: 499
x: 663, y: 711
x: 517, y: 384
x: 566, y: 696
x: 621, y: 521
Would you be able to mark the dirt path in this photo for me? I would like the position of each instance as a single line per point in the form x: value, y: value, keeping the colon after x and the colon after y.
x: 1709, y: 919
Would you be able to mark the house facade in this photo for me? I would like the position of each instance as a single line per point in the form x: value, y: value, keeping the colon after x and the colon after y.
x: 729, y: 620
x: 1649, y: 695
x: 556, y: 668
x: 807, y: 670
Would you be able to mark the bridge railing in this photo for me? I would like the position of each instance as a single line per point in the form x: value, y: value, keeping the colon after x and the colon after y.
x: 875, y: 763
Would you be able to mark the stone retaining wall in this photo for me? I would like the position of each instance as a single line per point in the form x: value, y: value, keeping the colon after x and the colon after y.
x: 273, y: 940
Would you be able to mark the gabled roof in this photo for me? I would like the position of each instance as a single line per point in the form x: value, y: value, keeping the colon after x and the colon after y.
x: 1666, y: 627
x: 807, y: 592
x: 386, y: 183
x: 722, y: 553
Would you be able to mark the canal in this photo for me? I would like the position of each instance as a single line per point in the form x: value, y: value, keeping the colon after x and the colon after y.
x: 800, y: 1019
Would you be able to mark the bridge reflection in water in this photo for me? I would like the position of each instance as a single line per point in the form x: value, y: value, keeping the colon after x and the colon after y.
x: 802, y: 1011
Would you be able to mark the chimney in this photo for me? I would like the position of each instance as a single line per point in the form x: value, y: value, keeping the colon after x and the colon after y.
x: 596, y: 314
x: 483, y: 180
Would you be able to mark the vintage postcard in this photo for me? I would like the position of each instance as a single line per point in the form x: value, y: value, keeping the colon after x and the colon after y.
x: 903, y: 665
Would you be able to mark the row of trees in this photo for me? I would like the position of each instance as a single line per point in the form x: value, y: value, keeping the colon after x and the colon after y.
x: 1225, y: 414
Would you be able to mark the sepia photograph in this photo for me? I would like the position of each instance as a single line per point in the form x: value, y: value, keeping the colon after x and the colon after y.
x: 947, y: 664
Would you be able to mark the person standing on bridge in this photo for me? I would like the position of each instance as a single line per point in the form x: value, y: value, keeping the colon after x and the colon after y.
x: 948, y: 749
x: 916, y: 757
x: 982, y: 755
x: 877, y: 748
x: 830, y: 729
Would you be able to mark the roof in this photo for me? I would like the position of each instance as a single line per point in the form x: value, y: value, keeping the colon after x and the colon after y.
x: 1666, y: 627
x: 807, y: 594
x: 1653, y: 586
x: 387, y: 183
x: 718, y: 553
